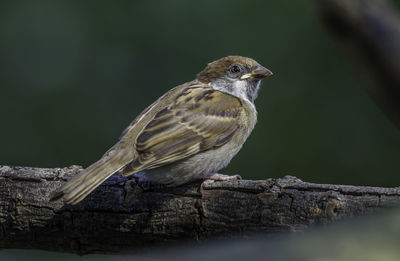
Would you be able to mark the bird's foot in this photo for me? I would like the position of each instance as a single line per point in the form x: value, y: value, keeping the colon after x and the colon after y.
x: 211, y: 178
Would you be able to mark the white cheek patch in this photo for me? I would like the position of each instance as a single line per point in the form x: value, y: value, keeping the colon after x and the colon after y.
x: 240, y: 89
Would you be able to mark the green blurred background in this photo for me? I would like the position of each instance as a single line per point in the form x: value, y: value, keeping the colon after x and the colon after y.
x: 74, y: 74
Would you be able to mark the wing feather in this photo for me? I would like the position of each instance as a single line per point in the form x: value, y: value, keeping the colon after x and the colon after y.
x: 200, y: 119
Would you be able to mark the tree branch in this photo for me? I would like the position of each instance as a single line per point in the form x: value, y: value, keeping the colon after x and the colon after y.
x: 122, y: 215
x: 368, y: 34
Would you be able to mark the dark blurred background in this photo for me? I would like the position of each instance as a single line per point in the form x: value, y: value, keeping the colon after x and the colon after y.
x: 74, y: 74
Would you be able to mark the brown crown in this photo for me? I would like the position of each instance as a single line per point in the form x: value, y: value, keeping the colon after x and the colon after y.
x: 218, y: 68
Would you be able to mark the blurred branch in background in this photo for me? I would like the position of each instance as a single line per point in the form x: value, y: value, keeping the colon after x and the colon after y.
x: 122, y: 215
x: 368, y: 32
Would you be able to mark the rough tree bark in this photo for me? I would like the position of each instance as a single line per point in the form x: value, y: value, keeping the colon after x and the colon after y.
x: 122, y: 215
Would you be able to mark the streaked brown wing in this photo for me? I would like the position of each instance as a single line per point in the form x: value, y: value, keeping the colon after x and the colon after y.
x: 200, y: 119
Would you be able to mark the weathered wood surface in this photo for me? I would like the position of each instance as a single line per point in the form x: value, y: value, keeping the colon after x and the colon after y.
x: 121, y: 215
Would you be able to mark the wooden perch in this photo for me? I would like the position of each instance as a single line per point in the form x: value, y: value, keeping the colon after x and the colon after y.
x: 368, y: 34
x: 122, y: 215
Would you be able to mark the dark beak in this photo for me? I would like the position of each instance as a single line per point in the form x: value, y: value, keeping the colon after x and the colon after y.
x: 260, y: 72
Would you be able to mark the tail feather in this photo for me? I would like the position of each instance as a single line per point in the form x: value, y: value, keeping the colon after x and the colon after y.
x: 90, y: 178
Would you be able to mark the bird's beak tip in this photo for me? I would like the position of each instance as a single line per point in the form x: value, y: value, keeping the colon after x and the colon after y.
x: 261, y: 72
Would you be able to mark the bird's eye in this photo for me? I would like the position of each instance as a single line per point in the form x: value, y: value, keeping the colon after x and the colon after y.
x: 235, y: 69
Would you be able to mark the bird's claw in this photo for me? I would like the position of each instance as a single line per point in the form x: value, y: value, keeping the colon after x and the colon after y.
x: 211, y: 178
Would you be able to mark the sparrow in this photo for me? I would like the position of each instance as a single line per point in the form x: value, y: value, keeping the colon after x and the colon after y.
x: 188, y: 134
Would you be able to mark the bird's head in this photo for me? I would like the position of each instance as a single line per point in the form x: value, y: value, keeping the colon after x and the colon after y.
x: 236, y: 75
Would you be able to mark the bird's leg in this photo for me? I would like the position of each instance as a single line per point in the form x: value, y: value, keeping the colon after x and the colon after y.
x: 212, y: 177
x: 220, y: 177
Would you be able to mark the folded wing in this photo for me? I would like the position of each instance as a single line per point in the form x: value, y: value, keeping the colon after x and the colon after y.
x: 200, y: 119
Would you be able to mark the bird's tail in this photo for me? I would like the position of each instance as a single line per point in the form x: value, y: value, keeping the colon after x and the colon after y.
x: 90, y: 178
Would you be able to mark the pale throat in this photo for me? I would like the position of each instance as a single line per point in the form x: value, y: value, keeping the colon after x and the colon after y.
x: 243, y: 89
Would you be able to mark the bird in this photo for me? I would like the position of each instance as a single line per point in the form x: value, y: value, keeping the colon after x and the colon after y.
x: 189, y: 133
